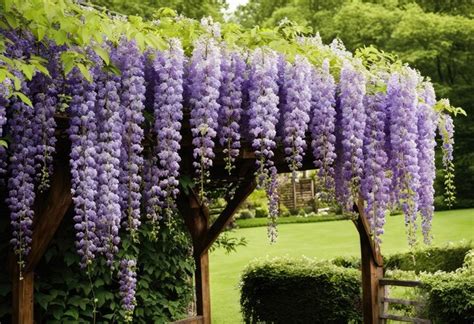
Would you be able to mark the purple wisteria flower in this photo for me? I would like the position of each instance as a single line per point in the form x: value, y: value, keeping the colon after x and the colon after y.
x: 230, y: 100
x: 322, y: 125
x: 446, y: 131
x: 204, y: 84
x: 352, y: 125
x: 83, y: 162
x: 168, y: 113
x: 263, y: 115
x: 132, y: 99
x: 21, y: 191
x: 402, y: 99
x: 375, y: 184
x: 128, y: 286
x: 296, y: 115
x: 427, y: 122
x: 109, y: 144
x: 4, y: 95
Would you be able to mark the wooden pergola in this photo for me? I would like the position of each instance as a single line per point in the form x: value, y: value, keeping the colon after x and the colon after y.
x: 51, y: 207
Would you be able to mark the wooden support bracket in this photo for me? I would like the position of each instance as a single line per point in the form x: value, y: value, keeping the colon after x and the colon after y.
x: 49, y: 215
x: 372, y: 269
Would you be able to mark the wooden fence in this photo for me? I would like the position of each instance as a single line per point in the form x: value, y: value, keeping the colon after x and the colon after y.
x: 386, y: 300
x: 298, y: 194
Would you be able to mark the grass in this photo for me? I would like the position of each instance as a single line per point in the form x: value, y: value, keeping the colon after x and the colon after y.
x: 323, y: 240
x: 263, y: 221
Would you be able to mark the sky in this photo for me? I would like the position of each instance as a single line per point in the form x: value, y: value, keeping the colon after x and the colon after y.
x: 234, y: 3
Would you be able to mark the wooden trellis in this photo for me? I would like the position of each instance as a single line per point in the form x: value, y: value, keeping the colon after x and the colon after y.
x: 52, y: 206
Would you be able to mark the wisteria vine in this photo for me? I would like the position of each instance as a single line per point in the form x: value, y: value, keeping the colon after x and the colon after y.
x: 135, y: 115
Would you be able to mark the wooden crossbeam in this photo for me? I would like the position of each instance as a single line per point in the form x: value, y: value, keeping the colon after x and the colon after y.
x: 241, y: 193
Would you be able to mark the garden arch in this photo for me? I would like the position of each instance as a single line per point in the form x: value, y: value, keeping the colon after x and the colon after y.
x: 273, y: 95
x: 52, y: 207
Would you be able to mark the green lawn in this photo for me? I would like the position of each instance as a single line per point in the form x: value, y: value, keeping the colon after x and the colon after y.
x: 321, y: 240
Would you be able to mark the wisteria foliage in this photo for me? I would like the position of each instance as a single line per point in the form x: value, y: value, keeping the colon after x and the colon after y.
x: 372, y: 146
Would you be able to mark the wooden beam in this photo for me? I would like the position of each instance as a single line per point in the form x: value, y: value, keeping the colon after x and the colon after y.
x: 372, y: 270
x: 241, y: 193
x: 50, y: 214
x: 203, y: 291
x: 23, y: 300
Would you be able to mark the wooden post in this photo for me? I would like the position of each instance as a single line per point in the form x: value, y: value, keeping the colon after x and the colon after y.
x: 22, y: 291
x: 49, y: 214
x: 196, y: 217
x: 203, y: 290
x: 372, y: 270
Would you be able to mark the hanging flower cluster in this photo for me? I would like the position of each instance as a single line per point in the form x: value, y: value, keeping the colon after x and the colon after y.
x: 132, y: 101
x: 4, y: 94
x: 375, y: 184
x: 296, y: 115
x: 352, y: 124
x: 129, y: 109
x: 322, y: 124
x: 426, y: 142
x: 402, y: 98
x: 446, y: 130
x: 230, y: 100
x: 83, y: 164
x: 128, y: 286
x: 204, y: 83
x: 168, y: 113
x: 263, y: 117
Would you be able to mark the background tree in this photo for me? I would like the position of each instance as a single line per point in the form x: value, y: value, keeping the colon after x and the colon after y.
x: 146, y: 8
x: 437, y: 37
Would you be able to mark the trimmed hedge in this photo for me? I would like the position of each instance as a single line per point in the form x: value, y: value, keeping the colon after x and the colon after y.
x: 283, y: 290
x: 450, y: 296
x: 446, y: 258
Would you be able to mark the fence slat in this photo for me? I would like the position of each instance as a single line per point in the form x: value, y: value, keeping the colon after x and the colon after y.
x: 402, y: 283
x: 406, y: 319
x: 190, y: 320
x: 403, y: 302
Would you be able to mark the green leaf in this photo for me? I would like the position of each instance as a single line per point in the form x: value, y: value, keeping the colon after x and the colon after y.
x: 102, y: 54
x: 3, y: 143
x: 85, y: 72
x: 23, y: 98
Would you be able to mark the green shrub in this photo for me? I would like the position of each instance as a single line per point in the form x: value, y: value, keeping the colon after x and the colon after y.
x: 63, y: 291
x: 450, y: 296
x: 446, y: 258
x: 351, y: 262
x: 428, y: 259
x: 245, y: 214
x: 283, y: 290
x: 261, y: 212
x: 284, y: 212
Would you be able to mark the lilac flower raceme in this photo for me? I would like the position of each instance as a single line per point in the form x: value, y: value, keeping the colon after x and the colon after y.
x: 352, y: 123
x: 21, y: 191
x: 296, y: 115
x: 402, y: 99
x: 427, y: 119
x: 322, y: 125
x: 109, y: 143
x: 204, y: 84
x: 446, y: 130
x: 44, y: 124
x: 168, y: 113
x: 84, y: 157
x: 132, y: 105
x: 375, y: 185
x: 263, y: 117
x: 4, y: 94
x: 128, y: 286
x: 230, y: 100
